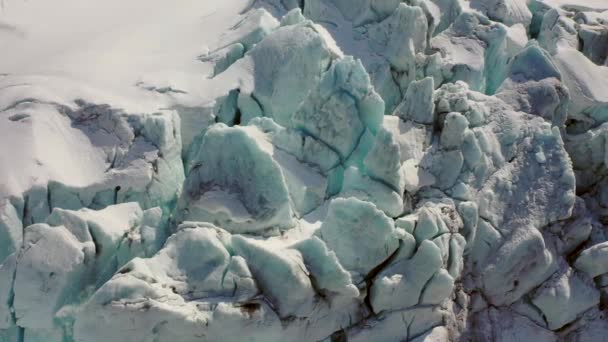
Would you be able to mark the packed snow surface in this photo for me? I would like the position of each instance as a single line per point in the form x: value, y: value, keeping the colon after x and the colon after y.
x: 318, y: 170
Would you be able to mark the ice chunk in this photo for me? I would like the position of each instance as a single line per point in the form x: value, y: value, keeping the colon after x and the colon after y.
x: 520, y: 264
x: 475, y: 50
x: 509, y: 12
x: 517, y: 38
x: 445, y: 166
x: 418, y: 104
x: 325, y: 268
x: 224, y: 57
x: 412, y: 138
x: 561, y: 185
x: 254, y: 26
x: 595, y: 41
x: 534, y: 86
x: 453, y: 131
x: 406, y: 279
x: 307, y: 186
x: 456, y: 261
x: 533, y: 55
x: 11, y: 230
x: 11, y: 240
x: 383, y: 161
x: 449, y: 10
x: 119, y: 232
x: 587, y: 151
x: 591, y: 330
x: 205, y: 280
x: 293, y: 294
x: 12, y: 334
x: 348, y: 10
x: 251, y: 191
x: 226, y: 108
x: 76, y: 250
x: 248, y: 107
x: 293, y: 17
x: 439, y: 287
x: 557, y: 30
x: 576, y: 230
x: 469, y: 213
x: 471, y: 151
x: 393, y: 326
x: 358, y: 185
x: 360, y: 234
x: 287, y: 64
x: 54, y: 257
x: 593, y: 260
x: 137, y: 310
x: 407, y: 223
x: 466, y: 54
x: 429, y: 224
x: 400, y: 36
x: 587, y: 84
x: 343, y: 106
x: 502, y: 324
x: 565, y: 296
x: 384, y: 7
x: 187, y: 282
x: 194, y: 263
x: 437, y: 334
x: 304, y: 147
x: 415, y: 177
x: 7, y: 276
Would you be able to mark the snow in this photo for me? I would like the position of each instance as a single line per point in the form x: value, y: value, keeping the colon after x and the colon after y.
x: 44, y: 127
x: 595, y: 5
x: 121, y: 55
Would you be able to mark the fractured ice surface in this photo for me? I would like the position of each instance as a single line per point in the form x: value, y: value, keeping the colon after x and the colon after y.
x: 282, y: 170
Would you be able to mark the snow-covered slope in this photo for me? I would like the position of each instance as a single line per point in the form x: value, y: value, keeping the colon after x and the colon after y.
x: 319, y: 170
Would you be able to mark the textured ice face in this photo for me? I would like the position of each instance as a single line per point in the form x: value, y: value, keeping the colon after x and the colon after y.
x: 369, y: 170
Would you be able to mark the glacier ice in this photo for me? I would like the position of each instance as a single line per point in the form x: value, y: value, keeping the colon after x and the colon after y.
x: 283, y: 170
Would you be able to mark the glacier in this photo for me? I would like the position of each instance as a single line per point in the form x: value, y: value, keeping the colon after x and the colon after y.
x: 304, y: 170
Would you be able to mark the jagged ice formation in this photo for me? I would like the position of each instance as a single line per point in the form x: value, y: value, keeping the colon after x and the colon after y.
x: 304, y: 170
